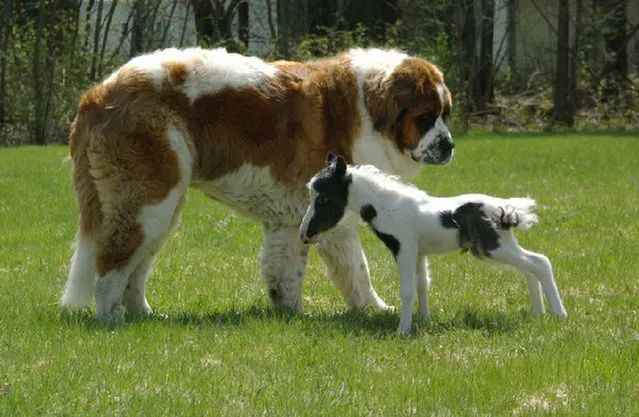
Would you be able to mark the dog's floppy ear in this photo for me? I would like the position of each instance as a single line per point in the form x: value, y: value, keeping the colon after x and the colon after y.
x: 330, y: 158
x: 340, y: 166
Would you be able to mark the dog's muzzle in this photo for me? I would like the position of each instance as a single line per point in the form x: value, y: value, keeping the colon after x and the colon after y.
x: 439, y: 152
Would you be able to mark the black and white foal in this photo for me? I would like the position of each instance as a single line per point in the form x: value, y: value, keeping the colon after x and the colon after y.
x: 413, y: 224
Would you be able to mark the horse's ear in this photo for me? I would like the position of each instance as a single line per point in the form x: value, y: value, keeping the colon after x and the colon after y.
x: 340, y: 167
x: 330, y: 158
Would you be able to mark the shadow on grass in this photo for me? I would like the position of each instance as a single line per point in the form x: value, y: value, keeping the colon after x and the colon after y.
x: 355, y: 321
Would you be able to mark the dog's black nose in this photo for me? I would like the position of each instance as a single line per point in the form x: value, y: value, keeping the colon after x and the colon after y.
x: 446, y: 145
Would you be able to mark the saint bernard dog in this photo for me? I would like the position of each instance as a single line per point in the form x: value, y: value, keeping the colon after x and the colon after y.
x: 249, y: 134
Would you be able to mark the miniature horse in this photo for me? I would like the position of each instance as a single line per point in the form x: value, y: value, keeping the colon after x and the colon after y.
x: 413, y: 224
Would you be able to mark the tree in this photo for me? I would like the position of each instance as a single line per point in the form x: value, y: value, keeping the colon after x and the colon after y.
x: 39, y: 123
x: 213, y: 20
x: 54, y: 19
x: 483, y: 91
x: 5, y: 32
x: 466, y: 51
x: 292, y: 24
x: 139, y: 27
x: 574, y: 57
x: 563, y: 111
x: 616, y: 39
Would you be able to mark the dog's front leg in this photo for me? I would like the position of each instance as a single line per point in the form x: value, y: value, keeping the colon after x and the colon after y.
x: 406, y: 264
x: 341, y: 250
x: 284, y: 258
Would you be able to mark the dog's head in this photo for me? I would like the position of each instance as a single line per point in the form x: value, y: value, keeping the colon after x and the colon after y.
x: 409, y: 102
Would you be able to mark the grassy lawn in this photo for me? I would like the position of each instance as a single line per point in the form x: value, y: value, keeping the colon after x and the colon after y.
x: 223, y: 351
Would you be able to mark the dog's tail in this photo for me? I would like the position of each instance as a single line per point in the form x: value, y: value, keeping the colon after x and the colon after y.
x: 517, y: 213
x: 78, y: 291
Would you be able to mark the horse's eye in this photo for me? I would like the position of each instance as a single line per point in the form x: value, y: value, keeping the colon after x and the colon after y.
x: 321, y: 200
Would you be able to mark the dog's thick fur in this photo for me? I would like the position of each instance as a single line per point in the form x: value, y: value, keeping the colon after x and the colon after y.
x: 249, y: 134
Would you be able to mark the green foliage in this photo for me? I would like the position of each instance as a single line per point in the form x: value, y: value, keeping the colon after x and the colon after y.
x: 221, y: 350
x: 426, y: 28
x: 70, y: 78
x: 329, y: 42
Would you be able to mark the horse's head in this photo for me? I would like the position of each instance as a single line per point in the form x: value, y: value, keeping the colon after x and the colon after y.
x: 329, y: 197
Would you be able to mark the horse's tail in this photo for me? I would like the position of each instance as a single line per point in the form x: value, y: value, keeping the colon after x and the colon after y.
x: 517, y: 213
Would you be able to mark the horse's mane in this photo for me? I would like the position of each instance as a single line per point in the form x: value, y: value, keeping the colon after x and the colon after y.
x: 382, y: 179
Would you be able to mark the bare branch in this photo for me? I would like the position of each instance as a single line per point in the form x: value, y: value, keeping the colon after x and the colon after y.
x: 123, y: 37
x: 186, y: 20
x: 166, y: 28
x: 543, y: 16
x: 271, y: 24
x: 105, y: 36
x: 96, y: 40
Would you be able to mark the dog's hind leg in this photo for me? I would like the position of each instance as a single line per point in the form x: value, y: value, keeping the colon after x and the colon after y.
x: 78, y: 291
x: 141, y: 179
x: 129, y: 240
x: 135, y: 293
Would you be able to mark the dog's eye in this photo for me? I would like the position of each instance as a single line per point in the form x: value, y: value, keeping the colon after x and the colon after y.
x: 426, y: 120
x: 321, y: 200
x: 446, y: 113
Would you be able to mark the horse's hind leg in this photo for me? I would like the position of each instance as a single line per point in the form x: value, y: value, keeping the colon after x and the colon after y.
x: 423, y: 287
x: 535, y: 264
x: 535, y: 292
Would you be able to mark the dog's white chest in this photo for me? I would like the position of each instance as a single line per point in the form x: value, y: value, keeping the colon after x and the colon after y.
x: 253, y: 192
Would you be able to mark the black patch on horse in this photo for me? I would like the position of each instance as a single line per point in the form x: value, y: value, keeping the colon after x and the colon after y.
x: 446, y: 220
x: 389, y: 240
x: 476, y: 231
x: 368, y: 213
x: 331, y: 185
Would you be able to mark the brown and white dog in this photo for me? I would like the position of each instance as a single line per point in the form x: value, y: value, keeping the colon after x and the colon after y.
x: 249, y: 134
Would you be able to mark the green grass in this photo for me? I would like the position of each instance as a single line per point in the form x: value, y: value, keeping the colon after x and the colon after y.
x: 223, y: 351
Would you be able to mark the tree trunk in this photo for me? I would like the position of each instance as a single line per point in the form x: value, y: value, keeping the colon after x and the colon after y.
x: 563, y: 111
x: 243, y: 18
x: 269, y: 17
x: 483, y: 79
x: 292, y: 24
x: 213, y: 20
x: 149, y: 27
x: 87, y: 24
x: 5, y: 32
x: 139, y: 27
x: 39, y: 128
x: 184, y: 24
x: 165, y: 29
x: 105, y: 36
x: 574, y: 58
x: 615, y: 38
x: 466, y: 61
x: 96, y: 40
x: 512, y: 37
